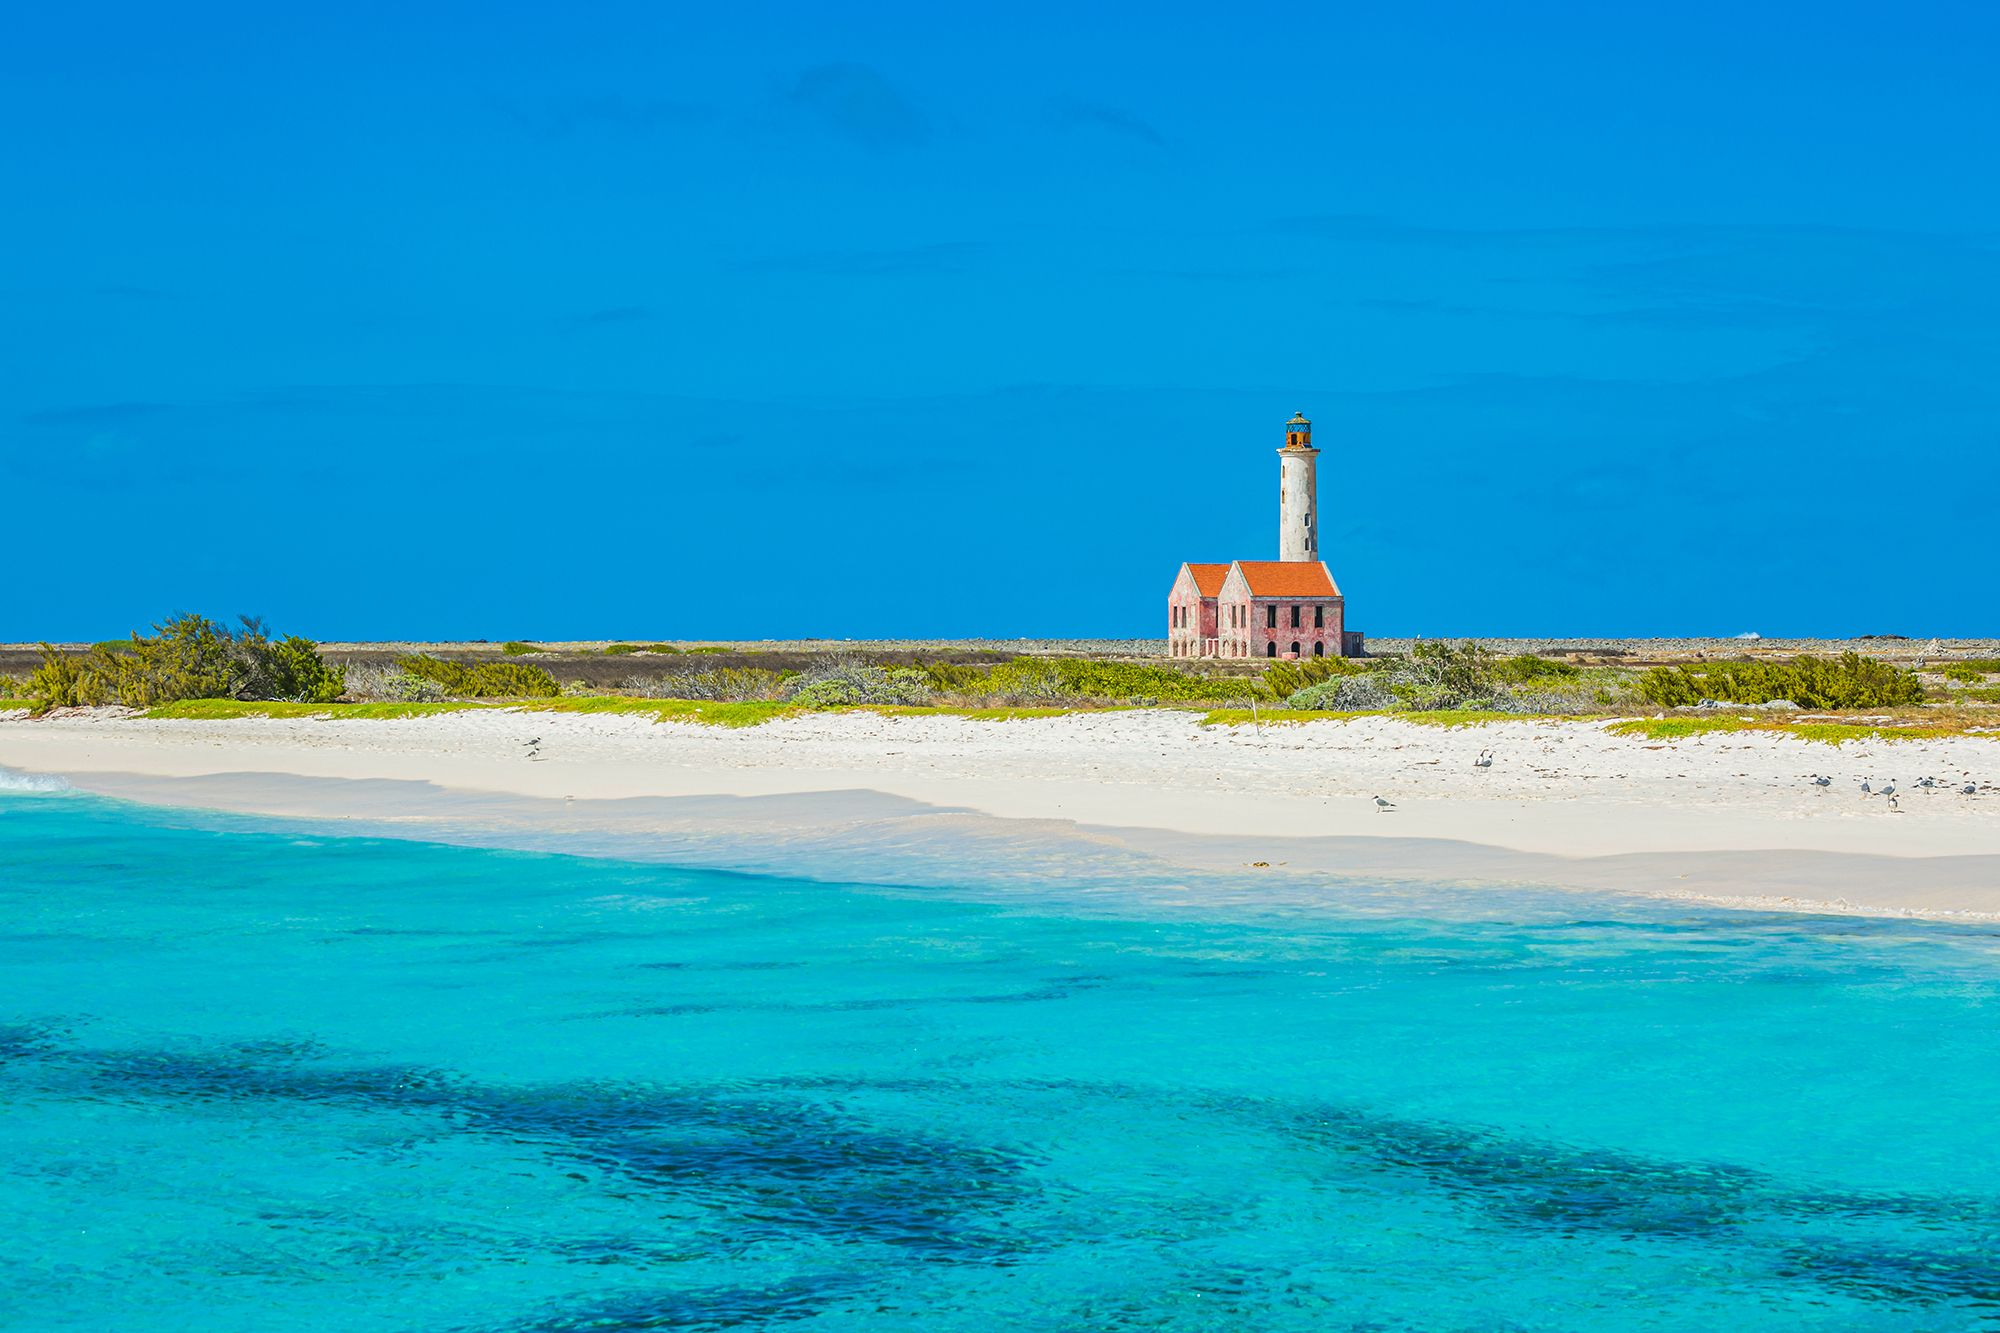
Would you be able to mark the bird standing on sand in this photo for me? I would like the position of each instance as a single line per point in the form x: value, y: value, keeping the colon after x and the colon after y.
x: 1382, y: 805
x: 1969, y: 789
x: 1821, y: 782
x: 1927, y: 783
x: 1865, y: 788
x: 1888, y: 790
x: 1485, y: 759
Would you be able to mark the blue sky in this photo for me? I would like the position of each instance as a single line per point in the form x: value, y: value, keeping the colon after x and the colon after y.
x: 640, y: 320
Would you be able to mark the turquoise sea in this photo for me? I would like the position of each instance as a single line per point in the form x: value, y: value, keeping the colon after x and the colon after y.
x: 253, y: 1077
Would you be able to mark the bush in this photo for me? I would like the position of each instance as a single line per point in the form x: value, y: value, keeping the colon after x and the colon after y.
x: 1347, y: 694
x: 621, y: 649
x: 840, y: 683
x: 1527, y: 669
x: 721, y: 684
x: 1286, y: 679
x: 1847, y: 681
x: 516, y: 648
x: 187, y: 657
x: 1965, y: 674
x: 389, y: 684
x: 1082, y: 679
x: 290, y: 670
x: 484, y: 680
x: 1436, y: 676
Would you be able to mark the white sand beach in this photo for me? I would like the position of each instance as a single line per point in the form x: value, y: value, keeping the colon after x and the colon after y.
x: 1729, y: 818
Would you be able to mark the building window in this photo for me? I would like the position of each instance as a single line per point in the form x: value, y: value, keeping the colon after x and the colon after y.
x: 1319, y: 617
x: 1295, y: 617
x: 1319, y: 650
x: 1270, y: 650
x: 1271, y: 617
x: 1295, y: 648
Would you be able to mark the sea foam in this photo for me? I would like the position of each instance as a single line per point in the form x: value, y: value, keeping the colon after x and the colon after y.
x: 11, y: 781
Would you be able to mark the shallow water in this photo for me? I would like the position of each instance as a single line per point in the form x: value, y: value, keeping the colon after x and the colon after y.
x: 253, y: 1078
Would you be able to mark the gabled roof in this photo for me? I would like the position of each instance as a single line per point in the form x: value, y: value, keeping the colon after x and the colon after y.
x: 1287, y: 578
x: 1208, y: 578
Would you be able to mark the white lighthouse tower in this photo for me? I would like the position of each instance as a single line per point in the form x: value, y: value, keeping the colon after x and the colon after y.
x: 1298, y: 492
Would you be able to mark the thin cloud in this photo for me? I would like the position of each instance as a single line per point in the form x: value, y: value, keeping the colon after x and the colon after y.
x: 857, y: 103
x: 1095, y: 116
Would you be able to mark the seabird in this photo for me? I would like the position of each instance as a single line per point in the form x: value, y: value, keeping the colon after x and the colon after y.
x: 1485, y: 759
x: 1819, y: 781
x: 1381, y: 804
x: 1969, y: 789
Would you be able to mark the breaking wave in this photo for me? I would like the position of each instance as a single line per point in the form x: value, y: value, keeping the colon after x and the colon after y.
x: 13, y: 781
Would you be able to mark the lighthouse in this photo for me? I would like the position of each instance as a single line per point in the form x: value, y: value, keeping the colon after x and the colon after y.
x: 1289, y: 607
x: 1298, y: 492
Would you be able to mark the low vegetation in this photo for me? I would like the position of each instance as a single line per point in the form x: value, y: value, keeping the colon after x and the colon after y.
x: 481, y: 680
x: 191, y: 667
x: 1830, y: 733
x: 187, y: 657
x: 1847, y: 681
x: 1438, y: 677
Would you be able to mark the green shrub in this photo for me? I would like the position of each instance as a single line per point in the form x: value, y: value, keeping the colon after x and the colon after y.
x: 1989, y: 694
x: 1847, y: 681
x: 1285, y: 679
x: 288, y: 671
x: 1056, y: 679
x: 57, y: 683
x: 186, y: 657
x: 717, y: 684
x: 1966, y: 673
x: 621, y: 649
x: 516, y: 648
x: 838, y: 684
x: 484, y: 680
x: 377, y: 683
x: 1344, y: 694
x: 955, y: 679
x: 1527, y: 669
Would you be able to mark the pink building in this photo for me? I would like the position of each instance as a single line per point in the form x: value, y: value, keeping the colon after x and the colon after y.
x: 1288, y: 607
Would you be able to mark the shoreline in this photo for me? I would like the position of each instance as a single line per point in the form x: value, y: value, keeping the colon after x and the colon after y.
x: 1727, y: 821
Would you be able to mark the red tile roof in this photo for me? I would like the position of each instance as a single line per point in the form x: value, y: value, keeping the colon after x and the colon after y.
x: 1287, y: 578
x: 1208, y: 578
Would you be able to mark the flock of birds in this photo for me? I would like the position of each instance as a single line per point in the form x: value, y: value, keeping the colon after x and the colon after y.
x: 1888, y: 791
